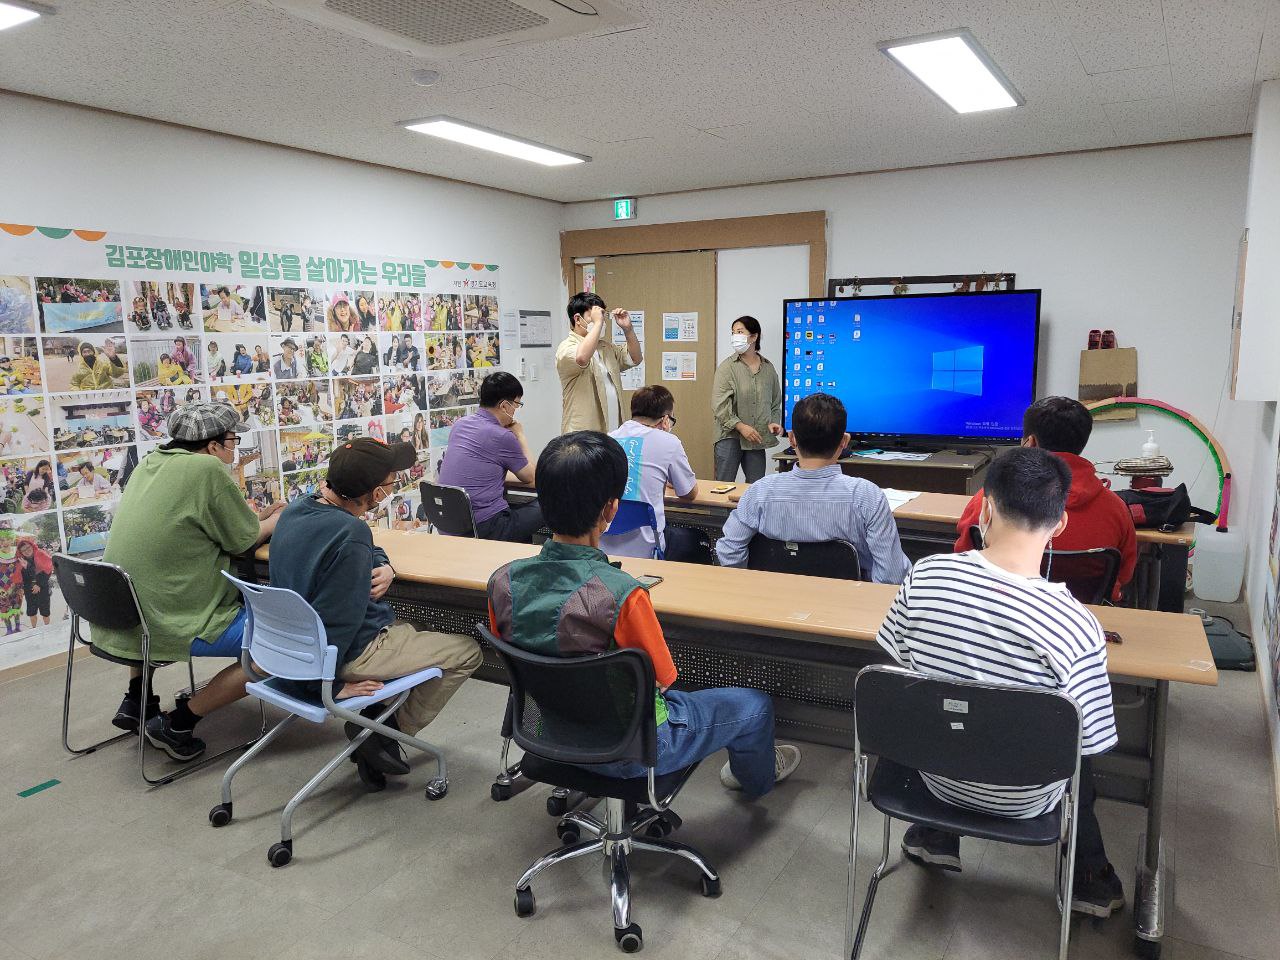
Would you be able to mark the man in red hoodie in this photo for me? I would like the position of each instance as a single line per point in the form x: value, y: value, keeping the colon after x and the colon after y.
x: 1096, y: 517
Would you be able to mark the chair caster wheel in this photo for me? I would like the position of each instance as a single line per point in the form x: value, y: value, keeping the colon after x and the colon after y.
x: 526, y: 906
x: 437, y: 788
x: 499, y: 792
x: 710, y: 888
x: 557, y: 806
x: 220, y: 815
x: 630, y: 939
x: 568, y: 833
x: 1146, y: 949
x: 280, y: 853
x: 665, y: 825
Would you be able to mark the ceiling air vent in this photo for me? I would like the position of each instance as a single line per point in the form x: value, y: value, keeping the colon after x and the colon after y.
x: 448, y: 29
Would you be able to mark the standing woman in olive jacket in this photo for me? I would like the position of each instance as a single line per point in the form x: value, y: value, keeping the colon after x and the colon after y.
x: 746, y: 399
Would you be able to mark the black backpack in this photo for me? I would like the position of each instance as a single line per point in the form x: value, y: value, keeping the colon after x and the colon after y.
x: 1162, y: 509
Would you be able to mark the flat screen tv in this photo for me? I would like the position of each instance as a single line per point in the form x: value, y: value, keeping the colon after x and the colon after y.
x: 929, y: 369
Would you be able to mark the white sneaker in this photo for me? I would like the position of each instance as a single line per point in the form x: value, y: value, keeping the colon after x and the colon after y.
x: 786, y: 757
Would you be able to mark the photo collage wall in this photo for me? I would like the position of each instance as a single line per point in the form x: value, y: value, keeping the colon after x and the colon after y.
x: 92, y: 362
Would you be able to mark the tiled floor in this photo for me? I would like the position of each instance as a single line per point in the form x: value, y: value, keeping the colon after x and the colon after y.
x: 98, y: 867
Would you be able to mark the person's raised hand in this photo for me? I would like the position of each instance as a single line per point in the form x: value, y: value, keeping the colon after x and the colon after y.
x: 621, y: 318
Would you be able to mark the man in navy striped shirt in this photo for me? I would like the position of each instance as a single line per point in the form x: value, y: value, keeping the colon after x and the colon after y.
x: 989, y: 616
x: 816, y: 502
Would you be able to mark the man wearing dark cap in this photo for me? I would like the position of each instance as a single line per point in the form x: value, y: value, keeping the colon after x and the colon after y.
x: 323, y: 550
x: 180, y: 520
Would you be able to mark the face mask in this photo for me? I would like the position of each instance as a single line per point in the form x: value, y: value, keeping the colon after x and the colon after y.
x: 983, y: 528
x: 741, y: 342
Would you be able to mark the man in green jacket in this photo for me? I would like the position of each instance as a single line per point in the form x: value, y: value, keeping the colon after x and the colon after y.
x: 178, y: 524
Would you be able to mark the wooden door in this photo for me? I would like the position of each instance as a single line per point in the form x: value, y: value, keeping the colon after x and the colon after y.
x: 659, y: 283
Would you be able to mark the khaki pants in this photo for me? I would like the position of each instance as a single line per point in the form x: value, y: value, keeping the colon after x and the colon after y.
x: 402, y: 649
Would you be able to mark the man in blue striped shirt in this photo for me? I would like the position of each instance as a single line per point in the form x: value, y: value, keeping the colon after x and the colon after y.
x: 990, y: 616
x: 816, y: 502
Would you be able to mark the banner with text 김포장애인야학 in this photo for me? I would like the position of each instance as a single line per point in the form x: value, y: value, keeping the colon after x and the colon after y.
x: 102, y: 335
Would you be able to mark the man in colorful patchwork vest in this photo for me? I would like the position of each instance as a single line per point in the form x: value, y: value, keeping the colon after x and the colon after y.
x: 568, y: 601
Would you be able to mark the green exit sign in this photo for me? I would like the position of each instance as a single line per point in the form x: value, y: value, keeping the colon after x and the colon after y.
x: 624, y: 209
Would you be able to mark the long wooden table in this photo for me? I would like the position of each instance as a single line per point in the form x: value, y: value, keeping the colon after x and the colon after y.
x: 803, y: 640
x: 927, y: 525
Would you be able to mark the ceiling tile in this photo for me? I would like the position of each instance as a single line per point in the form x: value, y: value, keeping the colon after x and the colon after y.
x: 1213, y: 47
x: 1140, y: 83
x: 1115, y: 34
x: 1143, y: 121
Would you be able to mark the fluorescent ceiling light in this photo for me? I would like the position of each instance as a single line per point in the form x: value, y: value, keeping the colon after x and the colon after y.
x: 12, y: 14
x: 955, y: 67
x: 448, y: 128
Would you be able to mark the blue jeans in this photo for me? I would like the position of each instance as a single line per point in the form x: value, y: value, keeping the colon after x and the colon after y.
x: 227, y: 645
x: 701, y: 722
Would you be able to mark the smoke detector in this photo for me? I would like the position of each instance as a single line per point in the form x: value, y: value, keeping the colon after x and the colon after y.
x: 449, y: 29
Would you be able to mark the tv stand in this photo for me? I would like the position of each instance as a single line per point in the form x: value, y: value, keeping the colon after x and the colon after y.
x: 945, y: 471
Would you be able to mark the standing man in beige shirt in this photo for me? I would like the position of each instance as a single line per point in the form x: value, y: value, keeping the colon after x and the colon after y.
x: 590, y: 366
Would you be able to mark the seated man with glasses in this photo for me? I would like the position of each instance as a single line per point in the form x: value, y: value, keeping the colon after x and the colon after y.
x: 483, y: 448
x: 180, y: 520
x: 655, y: 458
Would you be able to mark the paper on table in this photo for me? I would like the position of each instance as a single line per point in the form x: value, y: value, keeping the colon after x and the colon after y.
x: 898, y: 497
x: 890, y: 455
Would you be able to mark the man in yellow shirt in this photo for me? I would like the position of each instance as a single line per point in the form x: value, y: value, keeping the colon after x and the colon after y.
x: 590, y: 366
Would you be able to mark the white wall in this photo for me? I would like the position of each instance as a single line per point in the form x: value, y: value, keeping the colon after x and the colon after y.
x: 1260, y: 362
x: 755, y: 282
x: 1142, y: 241
x: 1259, y: 377
x: 66, y: 166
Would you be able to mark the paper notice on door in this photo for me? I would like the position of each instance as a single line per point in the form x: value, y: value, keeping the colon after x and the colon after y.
x: 680, y: 326
x: 679, y: 366
x: 633, y: 379
x: 535, y: 328
x: 637, y: 324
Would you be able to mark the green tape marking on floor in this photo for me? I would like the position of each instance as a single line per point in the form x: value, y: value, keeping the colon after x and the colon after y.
x: 32, y: 791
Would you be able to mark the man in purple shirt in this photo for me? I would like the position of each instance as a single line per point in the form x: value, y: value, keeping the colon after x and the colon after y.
x: 483, y: 448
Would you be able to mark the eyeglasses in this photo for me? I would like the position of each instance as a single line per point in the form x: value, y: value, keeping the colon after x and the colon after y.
x: 517, y: 403
x: 229, y: 441
x: 672, y: 419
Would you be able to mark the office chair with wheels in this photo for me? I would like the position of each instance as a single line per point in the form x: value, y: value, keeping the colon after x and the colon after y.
x: 634, y: 515
x: 834, y: 559
x: 567, y: 711
x: 102, y: 594
x: 963, y: 730
x: 448, y: 510
x: 285, y: 638
x: 1090, y: 575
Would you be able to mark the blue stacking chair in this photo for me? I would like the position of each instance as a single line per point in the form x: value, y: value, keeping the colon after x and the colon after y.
x: 285, y: 637
x: 635, y: 515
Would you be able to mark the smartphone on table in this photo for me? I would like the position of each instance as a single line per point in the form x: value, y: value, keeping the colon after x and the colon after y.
x: 649, y: 580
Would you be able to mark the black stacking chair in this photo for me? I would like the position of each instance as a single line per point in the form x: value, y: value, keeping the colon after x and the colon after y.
x: 448, y: 510
x: 835, y: 559
x: 102, y: 594
x: 1090, y: 575
x: 567, y: 711
x: 963, y: 730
